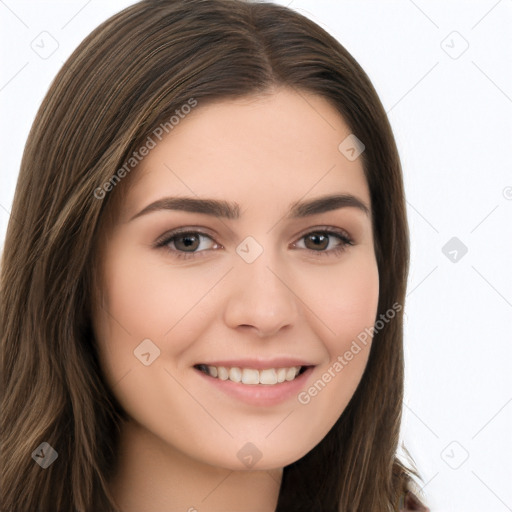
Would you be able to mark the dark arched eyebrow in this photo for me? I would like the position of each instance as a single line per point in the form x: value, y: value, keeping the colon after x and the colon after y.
x: 325, y: 204
x: 231, y: 211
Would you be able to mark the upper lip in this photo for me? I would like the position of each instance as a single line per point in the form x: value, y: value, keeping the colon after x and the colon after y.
x: 259, y: 364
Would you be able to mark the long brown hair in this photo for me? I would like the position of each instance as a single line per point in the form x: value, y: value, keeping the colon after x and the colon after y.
x: 126, y: 78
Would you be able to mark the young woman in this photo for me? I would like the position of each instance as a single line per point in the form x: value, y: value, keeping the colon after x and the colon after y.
x: 204, y: 274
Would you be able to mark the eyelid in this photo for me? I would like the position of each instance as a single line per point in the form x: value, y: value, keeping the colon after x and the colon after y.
x: 345, y: 238
x: 165, y: 238
x: 326, y: 229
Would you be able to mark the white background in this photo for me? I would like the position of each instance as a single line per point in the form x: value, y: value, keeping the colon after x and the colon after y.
x: 451, y: 113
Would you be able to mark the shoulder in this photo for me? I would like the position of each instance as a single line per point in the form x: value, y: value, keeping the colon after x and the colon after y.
x: 411, y: 503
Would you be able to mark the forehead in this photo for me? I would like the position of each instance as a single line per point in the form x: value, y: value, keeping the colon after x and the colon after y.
x: 269, y: 149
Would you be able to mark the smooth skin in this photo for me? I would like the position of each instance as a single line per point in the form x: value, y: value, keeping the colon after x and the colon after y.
x: 297, y: 299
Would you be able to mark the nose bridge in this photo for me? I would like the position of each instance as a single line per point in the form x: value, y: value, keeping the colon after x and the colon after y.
x: 260, y: 295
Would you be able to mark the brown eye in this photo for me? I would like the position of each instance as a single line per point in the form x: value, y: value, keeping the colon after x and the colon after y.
x: 317, y: 241
x: 187, y: 242
x: 190, y: 244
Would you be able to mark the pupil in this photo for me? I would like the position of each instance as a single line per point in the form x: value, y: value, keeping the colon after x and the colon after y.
x: 188, y: 240
x: 318, y: 242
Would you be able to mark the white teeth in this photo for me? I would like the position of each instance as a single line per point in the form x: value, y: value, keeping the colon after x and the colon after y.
x: 250, y: 376
x: 290, y: 373
x: 269, y: 376
x: 223, y: 373
x: 235, y: 374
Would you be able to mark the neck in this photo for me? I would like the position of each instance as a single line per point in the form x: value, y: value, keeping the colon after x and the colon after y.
x: 152, y: 476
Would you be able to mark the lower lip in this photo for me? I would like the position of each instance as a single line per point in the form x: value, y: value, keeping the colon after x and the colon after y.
x: 260, y: 394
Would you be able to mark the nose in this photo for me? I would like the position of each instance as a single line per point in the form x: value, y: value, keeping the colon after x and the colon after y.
x: 261, y: 299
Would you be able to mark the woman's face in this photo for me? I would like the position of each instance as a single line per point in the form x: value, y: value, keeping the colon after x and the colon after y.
x: 263, y: 288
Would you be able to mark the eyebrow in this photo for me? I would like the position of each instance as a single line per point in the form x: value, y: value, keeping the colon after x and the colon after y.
x: 231, y: 211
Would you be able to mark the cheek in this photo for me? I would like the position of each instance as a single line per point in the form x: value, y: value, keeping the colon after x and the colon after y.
x: 347, y: 300
x: 347, y: 308
x: 134, y: 309
x: 145, y: 298
x: 142, y: 297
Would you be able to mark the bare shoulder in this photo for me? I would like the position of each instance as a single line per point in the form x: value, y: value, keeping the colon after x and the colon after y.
x: 412, y: 503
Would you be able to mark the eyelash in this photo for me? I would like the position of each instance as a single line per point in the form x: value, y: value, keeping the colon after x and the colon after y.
x: 164, y: 241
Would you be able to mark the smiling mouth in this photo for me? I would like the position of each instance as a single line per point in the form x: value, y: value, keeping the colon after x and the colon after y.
x: 251, y: 376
